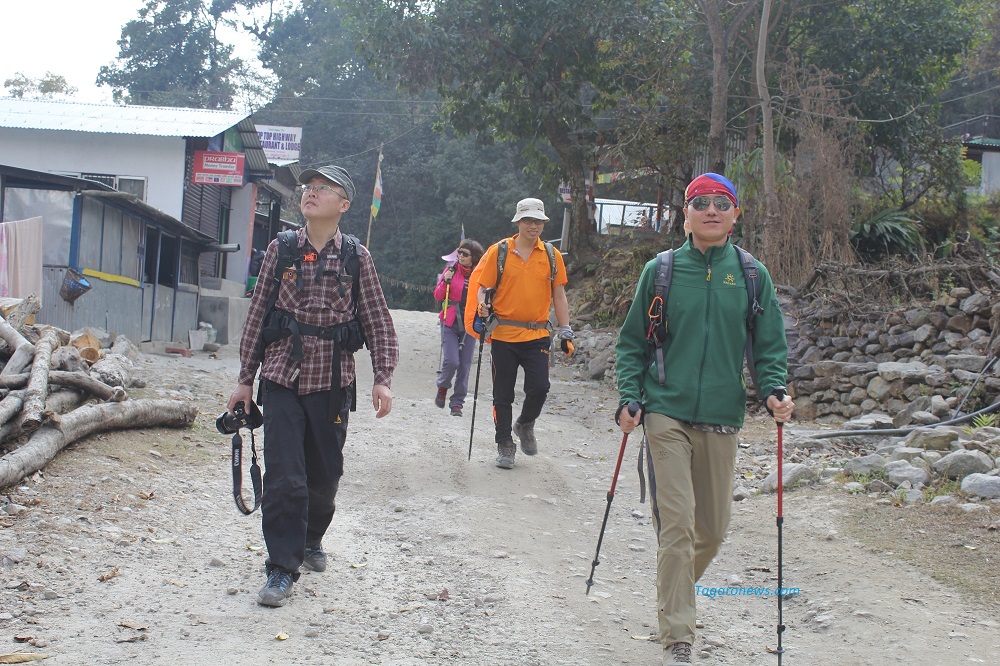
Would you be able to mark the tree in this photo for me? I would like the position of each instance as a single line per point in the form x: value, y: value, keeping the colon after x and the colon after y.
x: 436, y: 183
x: 532, y: 72
x: 47, y: 87
x: 171, y: 56
x: 722, y: 36
x: 894, y: 58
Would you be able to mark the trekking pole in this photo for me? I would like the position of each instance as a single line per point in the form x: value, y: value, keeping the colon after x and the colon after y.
x: 779, y: 393
x: 633, y: 408
x: 479, y: 365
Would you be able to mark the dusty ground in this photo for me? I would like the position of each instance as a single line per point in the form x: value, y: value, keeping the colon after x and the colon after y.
x: 132, y: 550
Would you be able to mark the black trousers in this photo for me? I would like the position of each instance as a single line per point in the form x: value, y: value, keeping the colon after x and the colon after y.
x: 506, y: 357
x: 303, y: 463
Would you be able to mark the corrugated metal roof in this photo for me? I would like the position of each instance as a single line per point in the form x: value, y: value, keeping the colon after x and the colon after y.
x: 983, y: 143
x: 111, y: 119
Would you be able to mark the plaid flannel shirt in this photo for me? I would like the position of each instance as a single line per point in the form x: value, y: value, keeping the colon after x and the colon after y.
x: 318, y: 304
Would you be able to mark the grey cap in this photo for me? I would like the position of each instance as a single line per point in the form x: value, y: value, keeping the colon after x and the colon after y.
x: 333, y: 173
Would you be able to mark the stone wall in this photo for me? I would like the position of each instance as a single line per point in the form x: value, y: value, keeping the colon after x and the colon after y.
x: 915, y: 363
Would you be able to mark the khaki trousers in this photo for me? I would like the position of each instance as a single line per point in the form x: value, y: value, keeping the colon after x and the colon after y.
x: 691, y: 483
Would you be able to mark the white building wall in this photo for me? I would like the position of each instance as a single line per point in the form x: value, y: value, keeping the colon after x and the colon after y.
x: 241, y: 212
x: 158, y: 159
x: 991, y: 173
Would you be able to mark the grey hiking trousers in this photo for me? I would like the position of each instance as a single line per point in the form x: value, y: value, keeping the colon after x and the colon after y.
x: 456, y: 361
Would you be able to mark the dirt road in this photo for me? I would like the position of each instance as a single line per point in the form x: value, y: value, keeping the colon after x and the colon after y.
x: 131, y: 550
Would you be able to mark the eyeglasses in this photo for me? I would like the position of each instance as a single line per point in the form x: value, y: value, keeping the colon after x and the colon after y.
x: 531, y: 221
x: 722, y: 203
x: 464, y: 253
x: 320, y: 189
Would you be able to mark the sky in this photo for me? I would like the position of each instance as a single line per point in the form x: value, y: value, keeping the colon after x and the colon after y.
x: 72, y: 38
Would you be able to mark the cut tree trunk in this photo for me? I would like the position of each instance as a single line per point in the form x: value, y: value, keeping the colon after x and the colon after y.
x: 114, y: 370
x: 23, y: 352
x: 59, y: 402
x: 10, y: 406
x: 38, y: 385
x: 50, y: 439
x: 77, y: 380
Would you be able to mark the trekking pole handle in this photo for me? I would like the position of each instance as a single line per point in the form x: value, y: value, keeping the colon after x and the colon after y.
x: 633, y: 409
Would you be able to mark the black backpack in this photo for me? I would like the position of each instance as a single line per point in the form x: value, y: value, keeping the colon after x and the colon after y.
x: 288, y: 254
x: 657, y: 333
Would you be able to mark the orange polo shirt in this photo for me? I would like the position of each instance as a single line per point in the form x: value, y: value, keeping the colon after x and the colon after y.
x: 525, y: 292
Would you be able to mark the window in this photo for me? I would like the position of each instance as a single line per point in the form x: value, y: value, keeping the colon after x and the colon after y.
x: 134, y: 185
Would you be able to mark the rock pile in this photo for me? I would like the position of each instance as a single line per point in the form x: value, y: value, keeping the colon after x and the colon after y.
x: 917, y: 364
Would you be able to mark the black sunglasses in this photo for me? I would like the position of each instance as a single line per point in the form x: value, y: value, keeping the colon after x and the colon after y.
x: 722, y: 202
x: 464, y: 253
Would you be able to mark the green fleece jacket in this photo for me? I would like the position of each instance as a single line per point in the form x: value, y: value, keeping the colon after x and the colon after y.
x: 706, y: 311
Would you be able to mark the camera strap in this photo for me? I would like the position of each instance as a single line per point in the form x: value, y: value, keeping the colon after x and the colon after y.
x: 238, y: 474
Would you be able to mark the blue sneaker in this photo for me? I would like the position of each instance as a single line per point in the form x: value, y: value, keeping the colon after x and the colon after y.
x: 277, y: 589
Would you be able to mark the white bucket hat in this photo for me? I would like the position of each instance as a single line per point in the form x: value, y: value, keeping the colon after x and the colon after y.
x: 533, y: 208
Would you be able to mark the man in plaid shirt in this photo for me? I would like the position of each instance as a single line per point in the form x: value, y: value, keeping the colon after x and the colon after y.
x: 305, y: 413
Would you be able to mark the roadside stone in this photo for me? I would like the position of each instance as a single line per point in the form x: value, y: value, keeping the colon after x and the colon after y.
x: 944, y: 500
x: 791, y: 475
x: 959, y: 464
x: 740, y: 493
x: 924, y: 418
x: 931, y: 440
x: 972, y: 507
x: 982, y: 485
x: 907, y: 453
x: 899, y: 471
x: 878, y: 486
x: 864, y: 465
x: 939, y: 407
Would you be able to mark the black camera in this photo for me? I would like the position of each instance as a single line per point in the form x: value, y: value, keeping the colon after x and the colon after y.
x: 228, y: 424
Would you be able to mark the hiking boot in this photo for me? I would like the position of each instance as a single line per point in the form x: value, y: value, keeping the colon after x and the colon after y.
x: 315, y: 558
x: 277, y: 589
x: 526, y: 433
x: 456, y: 410
x: 506, y: 458
x: 677, y: 654
x: 441, y: 397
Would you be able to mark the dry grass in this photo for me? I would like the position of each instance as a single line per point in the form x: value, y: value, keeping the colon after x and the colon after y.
x: 958, y: 549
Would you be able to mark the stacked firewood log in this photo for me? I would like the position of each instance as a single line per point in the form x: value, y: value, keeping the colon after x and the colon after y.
x: 57, y: 387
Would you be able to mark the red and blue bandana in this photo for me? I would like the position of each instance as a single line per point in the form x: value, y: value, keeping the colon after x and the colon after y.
x: 711, y: 183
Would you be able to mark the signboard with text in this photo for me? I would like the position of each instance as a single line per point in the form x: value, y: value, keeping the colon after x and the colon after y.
x: 212, y: 168
x: 280, y: 143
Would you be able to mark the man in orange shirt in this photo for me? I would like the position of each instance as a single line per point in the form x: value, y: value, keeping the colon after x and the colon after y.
x: 522, y: 337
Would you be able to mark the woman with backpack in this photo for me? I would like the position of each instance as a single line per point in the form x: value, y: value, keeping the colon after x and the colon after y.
x: 456, y: 347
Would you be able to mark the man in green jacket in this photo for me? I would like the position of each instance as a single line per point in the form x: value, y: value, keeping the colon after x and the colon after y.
x: 691, y: 416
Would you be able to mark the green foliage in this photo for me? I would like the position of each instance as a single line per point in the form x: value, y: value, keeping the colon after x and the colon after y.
x: 894, y: 57
x: 47, y: 87
x: 890, y: 231
x: 982, y: 421
x: 537, y: 73
x: 435, y: 182
x: 171, y: 56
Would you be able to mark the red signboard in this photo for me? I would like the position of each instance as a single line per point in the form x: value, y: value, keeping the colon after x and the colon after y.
x: 211, y: 168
